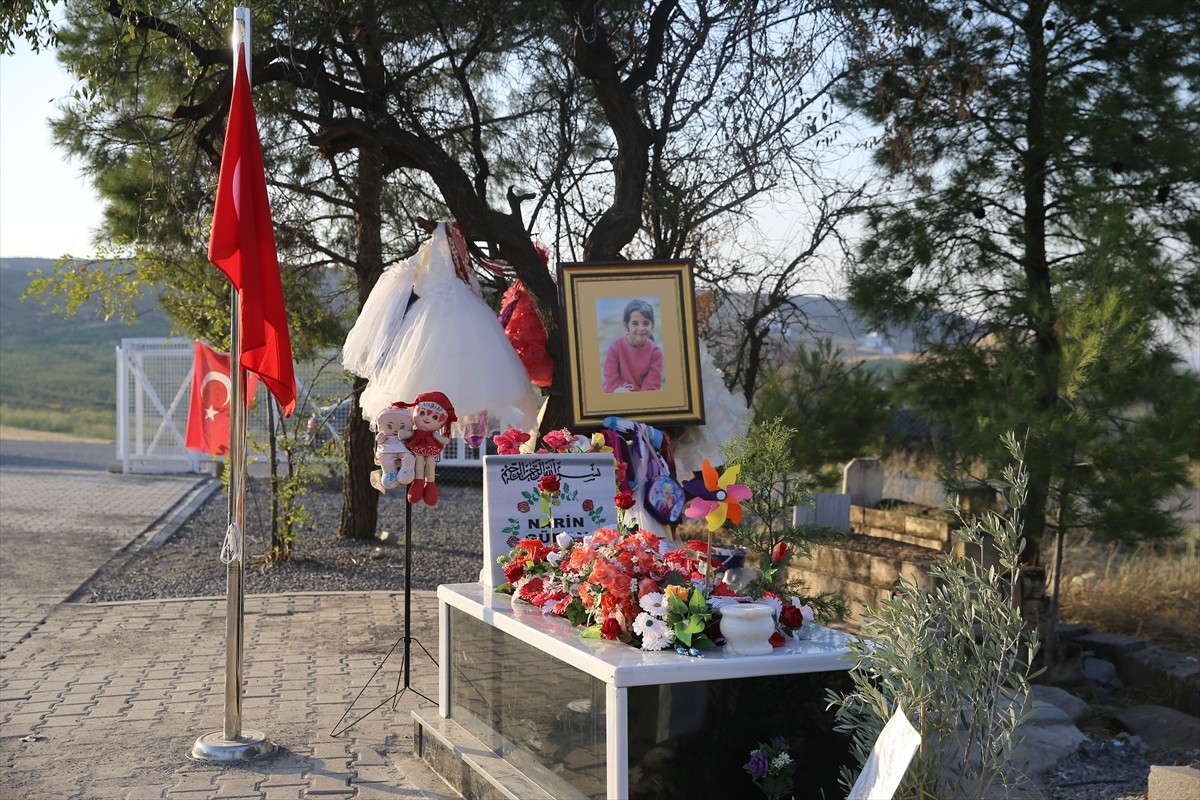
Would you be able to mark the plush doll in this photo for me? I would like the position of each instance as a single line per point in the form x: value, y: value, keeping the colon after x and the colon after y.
x: 394, y: 425
x: 432, y: 417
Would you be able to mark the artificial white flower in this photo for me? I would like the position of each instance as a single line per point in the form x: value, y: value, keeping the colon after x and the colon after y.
x: 654, y: 603
x: 655, y: 633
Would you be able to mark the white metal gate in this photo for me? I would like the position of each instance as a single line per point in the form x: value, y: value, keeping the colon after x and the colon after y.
x: 154, y: 381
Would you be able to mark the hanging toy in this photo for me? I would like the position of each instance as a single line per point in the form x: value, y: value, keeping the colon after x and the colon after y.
x: 432, y: 416
x: 393, y: 426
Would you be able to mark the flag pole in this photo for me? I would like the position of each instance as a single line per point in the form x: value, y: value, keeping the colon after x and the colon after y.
x: 232, y: 743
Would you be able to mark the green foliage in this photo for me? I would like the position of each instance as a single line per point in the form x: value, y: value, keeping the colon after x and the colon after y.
x: 304, y: 466
x: 766, y: 466
x: 29, y: 20
x: 957, y: 658
x: 1040, y: 235
x: 841, y: 408
x: 689, y: 618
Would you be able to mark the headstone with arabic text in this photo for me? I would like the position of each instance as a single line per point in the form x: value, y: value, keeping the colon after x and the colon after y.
x: 512, y: 509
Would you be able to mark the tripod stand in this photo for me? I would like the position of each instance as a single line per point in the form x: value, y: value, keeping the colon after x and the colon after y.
x: 406, y: 665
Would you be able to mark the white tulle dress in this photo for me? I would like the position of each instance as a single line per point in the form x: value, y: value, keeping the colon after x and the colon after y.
x: 424, y: 329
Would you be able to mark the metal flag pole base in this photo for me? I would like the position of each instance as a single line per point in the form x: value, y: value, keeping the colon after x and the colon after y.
x: 406, y: 667
x: 215, y: 747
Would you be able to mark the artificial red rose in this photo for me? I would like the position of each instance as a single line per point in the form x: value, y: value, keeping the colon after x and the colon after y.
x: 722, y: 590
x: 549, y: 484
x: 791, y: 617
x: 777, y: 639
x: 588, y: 505
x: 624, y: 500
x: 610, y: 629
x: 780, y: 551
x: 621, y: 467
x: 646, y: 586
x: 523, y: 507
x: 514, y: 571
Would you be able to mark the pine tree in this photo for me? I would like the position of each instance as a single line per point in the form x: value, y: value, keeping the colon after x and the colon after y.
x: 1040, y: 230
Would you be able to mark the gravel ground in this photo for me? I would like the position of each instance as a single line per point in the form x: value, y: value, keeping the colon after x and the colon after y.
x: 447, y: 545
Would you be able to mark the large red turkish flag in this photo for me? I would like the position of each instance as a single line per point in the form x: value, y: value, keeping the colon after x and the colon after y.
x: 242, y: 245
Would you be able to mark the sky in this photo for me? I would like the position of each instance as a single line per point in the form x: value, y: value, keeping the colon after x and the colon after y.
x: 47, y: 208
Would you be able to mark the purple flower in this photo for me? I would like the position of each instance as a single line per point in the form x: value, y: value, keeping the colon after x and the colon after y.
x: 758, y: 765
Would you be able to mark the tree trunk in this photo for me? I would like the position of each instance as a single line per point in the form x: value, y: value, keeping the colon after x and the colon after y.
x: 1041, y: 313
x: 360, y: 501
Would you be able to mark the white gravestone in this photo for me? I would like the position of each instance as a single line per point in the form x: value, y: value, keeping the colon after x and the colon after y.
x: 512, y: 508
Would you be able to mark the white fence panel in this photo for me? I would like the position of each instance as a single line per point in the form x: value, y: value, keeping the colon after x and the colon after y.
x: 154, y: 381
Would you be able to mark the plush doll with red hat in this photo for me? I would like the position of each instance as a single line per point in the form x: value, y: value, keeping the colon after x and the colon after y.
x: 432, y: 416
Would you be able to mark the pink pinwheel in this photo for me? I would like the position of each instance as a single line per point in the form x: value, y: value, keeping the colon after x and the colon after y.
x: 716, y: 498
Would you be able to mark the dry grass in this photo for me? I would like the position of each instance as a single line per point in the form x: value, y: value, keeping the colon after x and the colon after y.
x: 27, y: 435
x: 1148, y: 590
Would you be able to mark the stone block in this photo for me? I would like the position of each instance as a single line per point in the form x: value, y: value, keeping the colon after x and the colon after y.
x: 1175, y: 676
x: 856, y: 517
x: 875, y: 519
x: 1173, y: 783
x: 1159, y: 726
x: 1101, y: 672
x: 831, y: 509
x: 862, y: 479
x: 1072, y: 631
x: 1110, y: 645
x: 934, y: 530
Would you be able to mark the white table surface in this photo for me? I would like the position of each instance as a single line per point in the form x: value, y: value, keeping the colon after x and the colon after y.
x: 621, y: 665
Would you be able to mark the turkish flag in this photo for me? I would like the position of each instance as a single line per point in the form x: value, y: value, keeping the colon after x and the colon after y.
x: 208, y: 411
x: 242, y: 245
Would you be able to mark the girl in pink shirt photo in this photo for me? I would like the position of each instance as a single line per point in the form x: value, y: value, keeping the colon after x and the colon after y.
x: 634, y: 362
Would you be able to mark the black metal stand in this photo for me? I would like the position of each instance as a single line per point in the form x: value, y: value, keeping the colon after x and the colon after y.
x: 406, y: 666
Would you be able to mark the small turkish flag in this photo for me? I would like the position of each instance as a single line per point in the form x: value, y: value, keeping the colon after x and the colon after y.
x: 208, y: 411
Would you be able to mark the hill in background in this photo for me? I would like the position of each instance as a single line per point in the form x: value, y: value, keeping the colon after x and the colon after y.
x: 59, y: 373
x: 30, y: 318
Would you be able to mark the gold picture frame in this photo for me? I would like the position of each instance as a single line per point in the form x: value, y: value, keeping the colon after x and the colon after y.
x: 595, y: 297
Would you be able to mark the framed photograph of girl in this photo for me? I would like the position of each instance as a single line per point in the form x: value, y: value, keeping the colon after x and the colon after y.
x: 629, y: 331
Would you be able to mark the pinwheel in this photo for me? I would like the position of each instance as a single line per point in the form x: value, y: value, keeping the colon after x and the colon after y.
x: 716, y: 499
